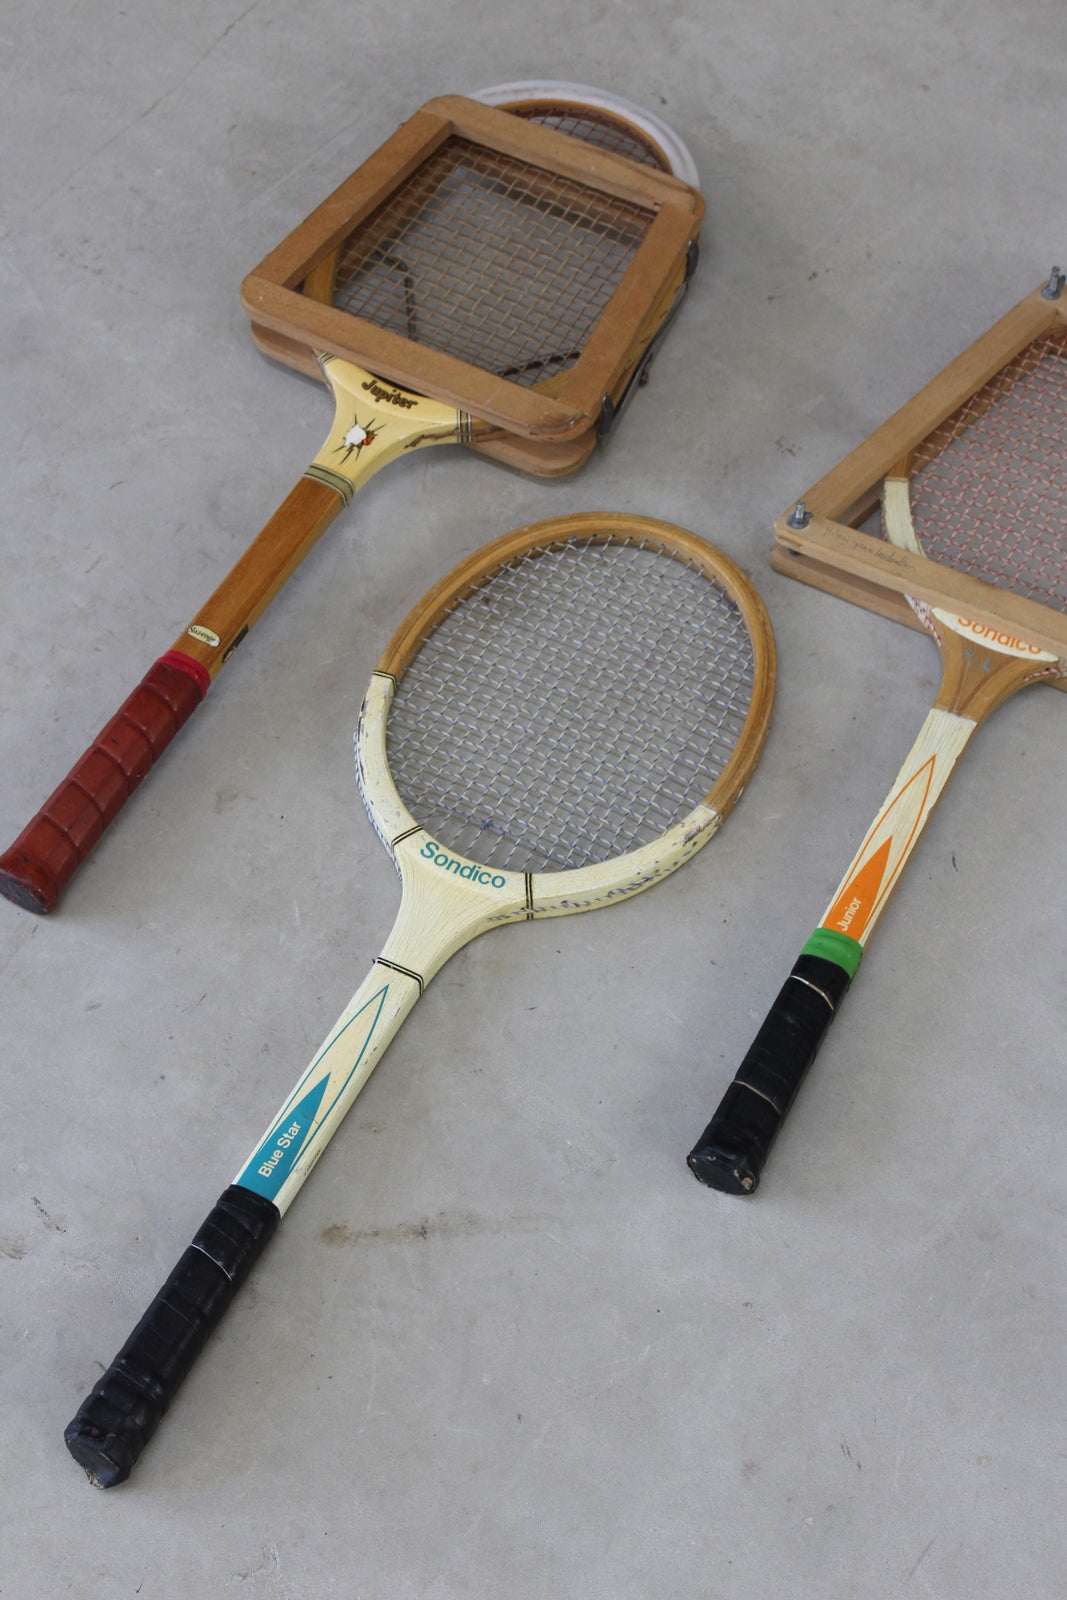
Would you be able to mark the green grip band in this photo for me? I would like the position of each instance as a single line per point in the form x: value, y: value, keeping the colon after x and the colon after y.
x: 836, y: 947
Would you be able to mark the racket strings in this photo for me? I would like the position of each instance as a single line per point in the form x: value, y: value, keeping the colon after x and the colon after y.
x: 989, y: 486
x: 572, y: 708
x: 491, y: 260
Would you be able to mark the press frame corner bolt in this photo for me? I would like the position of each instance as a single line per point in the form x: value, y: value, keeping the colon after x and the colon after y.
x: 1054, y: 286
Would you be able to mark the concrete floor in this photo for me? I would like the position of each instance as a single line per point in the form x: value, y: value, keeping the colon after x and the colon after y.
x: 504, y: 1345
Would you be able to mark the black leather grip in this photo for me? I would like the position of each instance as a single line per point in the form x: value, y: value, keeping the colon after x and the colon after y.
x: 730, y: 1153
x: 116, y: 1421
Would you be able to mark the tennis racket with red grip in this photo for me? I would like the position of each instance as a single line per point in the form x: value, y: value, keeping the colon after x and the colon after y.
x: 517, y: 350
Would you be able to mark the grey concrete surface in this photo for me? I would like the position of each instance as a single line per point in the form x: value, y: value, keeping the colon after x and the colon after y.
x: 504, y: 1345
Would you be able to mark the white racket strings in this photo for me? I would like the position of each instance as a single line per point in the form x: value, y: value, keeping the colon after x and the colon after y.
x: 492, y: 261
x: 574, y: 707
x: 989, y: 496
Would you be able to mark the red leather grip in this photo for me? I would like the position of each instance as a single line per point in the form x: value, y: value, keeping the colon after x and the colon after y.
x: 46, y: 853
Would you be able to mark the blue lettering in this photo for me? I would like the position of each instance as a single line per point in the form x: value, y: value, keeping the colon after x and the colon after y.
x: 431, y: 851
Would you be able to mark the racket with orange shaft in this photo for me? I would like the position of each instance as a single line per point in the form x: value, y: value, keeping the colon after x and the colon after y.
x: 517, y: 349
x: 564, y: 720
x: 984, y: 495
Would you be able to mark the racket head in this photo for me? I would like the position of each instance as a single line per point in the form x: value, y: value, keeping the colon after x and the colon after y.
x: 972, y: 476
x: 570, y: 713
x: 581, y: 255
x: 599, y: 117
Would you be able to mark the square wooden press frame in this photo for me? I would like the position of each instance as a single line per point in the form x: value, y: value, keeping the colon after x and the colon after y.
x: 292, y: 325
x: 830, y: 552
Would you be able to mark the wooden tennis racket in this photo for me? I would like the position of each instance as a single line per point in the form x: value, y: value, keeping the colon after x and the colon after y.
x: 562, y: 721
x: 481, y: 279
x: 971, y: 477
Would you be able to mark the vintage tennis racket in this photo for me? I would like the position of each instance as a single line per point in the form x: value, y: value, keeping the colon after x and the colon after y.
x: 974, y: 514
x: 563, y: 720
x: 482, y: 279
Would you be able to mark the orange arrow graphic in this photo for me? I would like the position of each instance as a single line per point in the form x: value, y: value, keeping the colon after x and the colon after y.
x: 852, y: 909
x: 861, y: 895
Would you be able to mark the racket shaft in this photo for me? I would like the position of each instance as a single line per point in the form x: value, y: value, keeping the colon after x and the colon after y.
x: 283, y: 1159
x: 731, y: 1152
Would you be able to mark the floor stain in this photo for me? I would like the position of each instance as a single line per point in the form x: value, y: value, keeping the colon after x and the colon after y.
x: 445, y: 1225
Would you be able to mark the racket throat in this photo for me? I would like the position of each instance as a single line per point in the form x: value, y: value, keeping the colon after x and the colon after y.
x: 374, y: 422
x: 982, y: 666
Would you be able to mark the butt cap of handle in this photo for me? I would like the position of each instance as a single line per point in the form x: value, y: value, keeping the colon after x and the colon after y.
x: 730, y: 1153
x: 117, y: 1419
x: 46, y: 854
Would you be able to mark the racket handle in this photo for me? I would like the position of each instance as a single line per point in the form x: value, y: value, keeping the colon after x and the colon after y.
x: 48, y: 851
x: 730, y: 1153
x: 115, y: 1422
